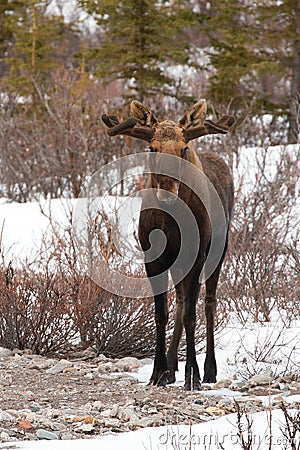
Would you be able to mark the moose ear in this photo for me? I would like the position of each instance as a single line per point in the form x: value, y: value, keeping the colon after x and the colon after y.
x: 143, y: 115
x: 195, y: 116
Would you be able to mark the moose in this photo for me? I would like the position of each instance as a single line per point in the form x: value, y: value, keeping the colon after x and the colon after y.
x: 166, y: 192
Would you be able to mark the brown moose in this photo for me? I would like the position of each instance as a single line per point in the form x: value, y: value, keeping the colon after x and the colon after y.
x: 157, y: 213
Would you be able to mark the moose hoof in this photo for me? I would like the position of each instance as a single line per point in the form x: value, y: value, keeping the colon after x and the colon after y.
x: 159, y: 378
x: 209, y: 379
x: 196, y: 386
x: 171, y: 378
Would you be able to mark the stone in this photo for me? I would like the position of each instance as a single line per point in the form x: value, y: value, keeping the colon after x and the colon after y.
x: 101, y: 358
x: 260, y: 379
x: 128, y: 364
x: 4, y: 436
x: 6, y: 416
x: 59, y: 367
x: 224, y: 383
x: 5, y: 353
x: 48, y: 435
x: 106, y: 367
x: 127, y: 414
x: 215, y: 411
x: 85, y: 428
x: 237, y: 385
x: 97, y: 406
x: 199, y: 401
x: 89, y: 376
x: 152, y: 411
x: 88, y: 353
x: 155, y: 420
x: 113, y: 412
x: 248, y: 399
x: 25, y: 424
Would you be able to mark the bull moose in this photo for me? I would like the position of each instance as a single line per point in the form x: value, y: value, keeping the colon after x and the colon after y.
x: 166, y: 192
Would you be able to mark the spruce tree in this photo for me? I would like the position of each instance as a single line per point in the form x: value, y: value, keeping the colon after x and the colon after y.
x: 35, y: 38
x: 256, y: 56
x: 140, y: 40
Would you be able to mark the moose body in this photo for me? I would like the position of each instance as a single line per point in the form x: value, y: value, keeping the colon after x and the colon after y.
x: 171, y: 206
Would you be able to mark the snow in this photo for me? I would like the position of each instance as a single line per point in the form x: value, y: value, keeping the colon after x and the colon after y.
x: 209, y: 435
x: 23, y: 226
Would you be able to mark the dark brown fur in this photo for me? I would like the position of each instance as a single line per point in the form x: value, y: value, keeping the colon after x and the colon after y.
x: 171, y: 138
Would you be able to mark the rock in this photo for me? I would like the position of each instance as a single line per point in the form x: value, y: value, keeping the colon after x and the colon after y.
x: 152, y: 411
x: 110, y: 412
x: 25, y: 424
x: 248, y: 399
x: 215, y: 411
x: 128, y: 364
x: 155, y: 420
x: 225, y: 383
x: 6, y: 416
x: 97, y: 406
x: 26, y: 351
x: 48, y: 435
x: 88, y: 353
x: 89, y: 376
x: 237, y: 385
x: 101, y: 358
x: 294, y: 386
x: 59, y: 367
x: 106, y: 367
x: 260, y: 379
x: 5, y: 437
x: 127, y: 414
x: 85, y: 428
x: 5, y: 353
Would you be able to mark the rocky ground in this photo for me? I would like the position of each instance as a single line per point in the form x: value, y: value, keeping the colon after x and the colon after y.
x: 42, y: 398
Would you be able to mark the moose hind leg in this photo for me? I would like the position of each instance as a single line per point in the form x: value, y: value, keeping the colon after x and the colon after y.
x: 192, y: 376
x: 210, y: 365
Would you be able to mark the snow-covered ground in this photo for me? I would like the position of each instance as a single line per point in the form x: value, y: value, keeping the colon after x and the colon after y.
x: 23, y: 226
x: 205, y: 436
x: 239, y: 350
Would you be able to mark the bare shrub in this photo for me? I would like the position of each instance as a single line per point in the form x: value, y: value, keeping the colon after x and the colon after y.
x: 262, y: 277
x: 291, y: 429
x: 50, y: 306
x: 50, y: 146
x: 36, y: 311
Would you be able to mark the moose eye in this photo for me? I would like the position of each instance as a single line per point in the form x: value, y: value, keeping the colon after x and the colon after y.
x: 183, y: 151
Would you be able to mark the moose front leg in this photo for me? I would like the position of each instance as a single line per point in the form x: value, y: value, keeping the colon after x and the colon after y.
x: 160, y: 370
x: 172, y: 355
x: 159, y: 282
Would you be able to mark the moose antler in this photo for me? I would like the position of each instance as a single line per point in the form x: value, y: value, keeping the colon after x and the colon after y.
x: 209, y: 127
x: 128, y: 127
x: 144, y: 124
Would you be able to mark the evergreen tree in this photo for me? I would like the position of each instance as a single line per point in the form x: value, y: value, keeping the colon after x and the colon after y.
x: 35, y: 43
x: 256, y: 55
x: 141, y: 39
x: 282, y: 33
